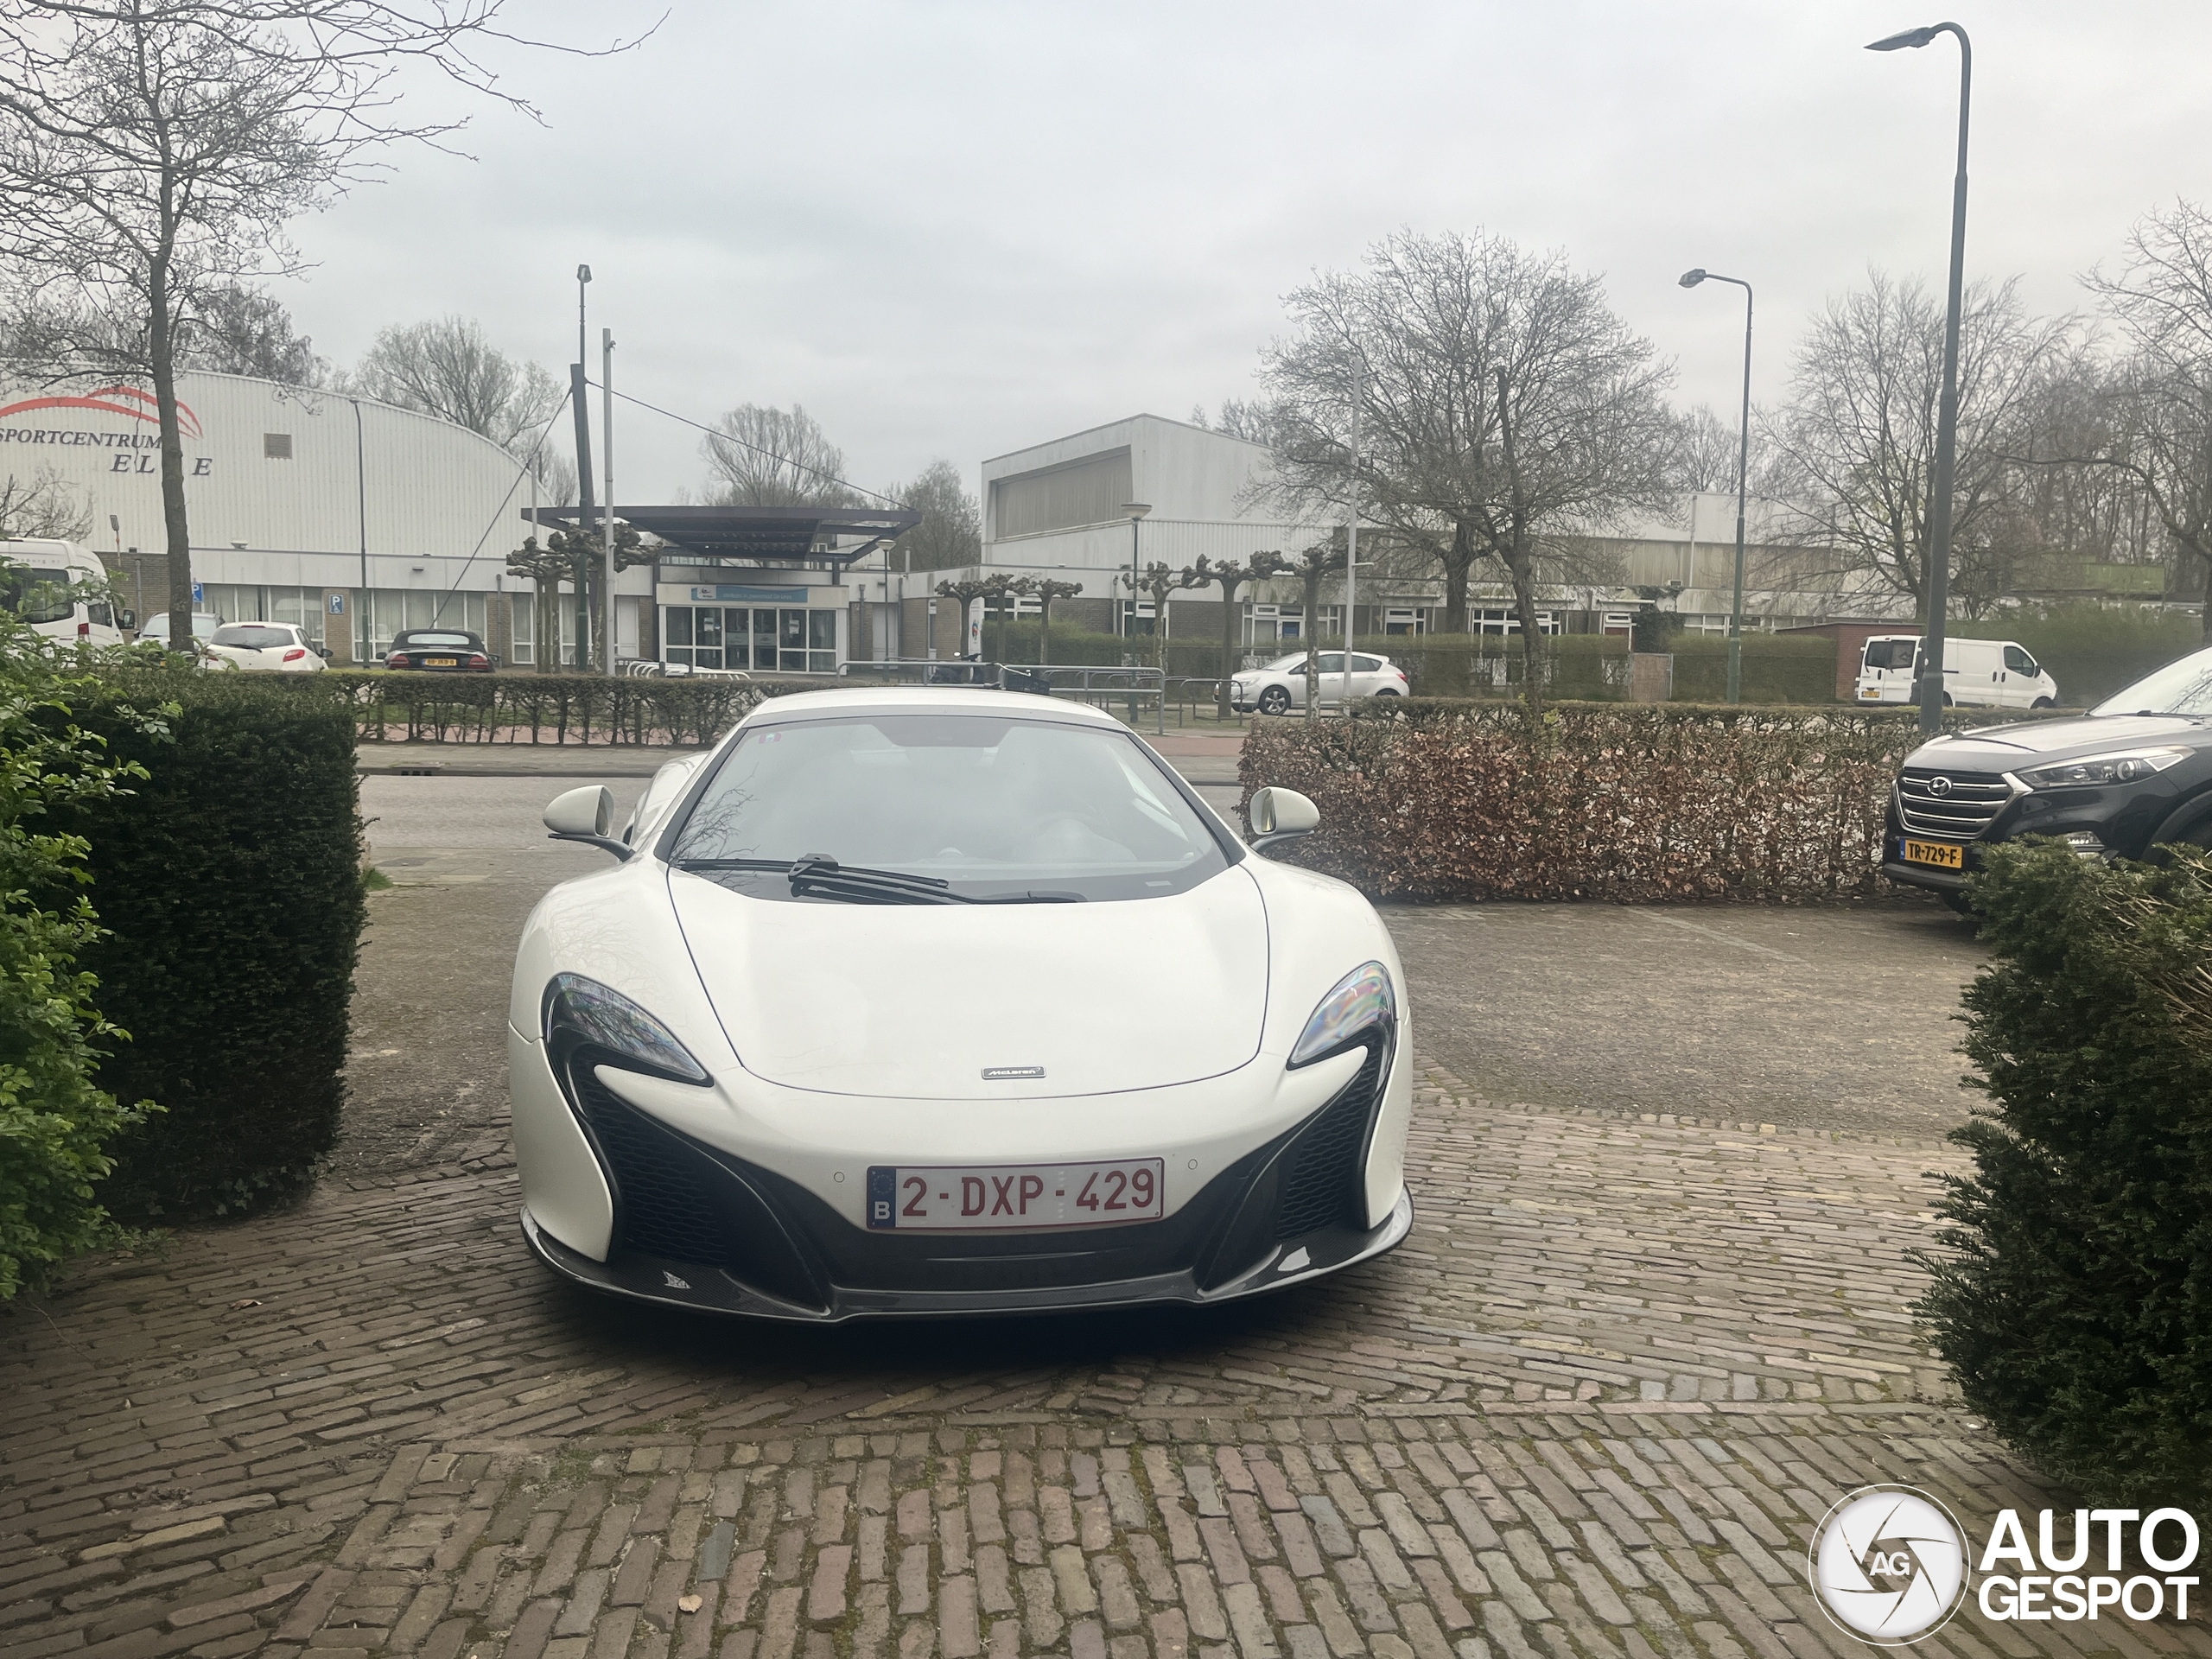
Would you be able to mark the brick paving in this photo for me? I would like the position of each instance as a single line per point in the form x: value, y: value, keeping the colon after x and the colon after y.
x: 1591, y: 1408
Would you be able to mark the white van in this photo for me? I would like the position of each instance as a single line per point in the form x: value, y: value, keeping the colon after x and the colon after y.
x: 1977, y: 673
x: 35, y: 577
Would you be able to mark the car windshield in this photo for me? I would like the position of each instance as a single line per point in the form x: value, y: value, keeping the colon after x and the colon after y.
x: 1296, y: 659
x: 36, y: 595
x: 2179, y: 688
x: 995, y: 806
x: 432, y: 641
x: 251, y: 636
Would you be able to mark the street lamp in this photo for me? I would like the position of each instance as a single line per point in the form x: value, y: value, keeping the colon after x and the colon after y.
x: 1691, y: 279
x: 581, y: 408
x: 1930, y: 688
x: 1135, y: 511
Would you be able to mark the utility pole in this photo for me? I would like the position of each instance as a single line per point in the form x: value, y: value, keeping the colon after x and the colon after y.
x: 1351, y: 544
x: 579, y: 400
x: 606, y: 507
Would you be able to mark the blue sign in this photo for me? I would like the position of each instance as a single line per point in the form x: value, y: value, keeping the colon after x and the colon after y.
x: 337, y: 604
x: 730, y: 594
x: 198, y: 594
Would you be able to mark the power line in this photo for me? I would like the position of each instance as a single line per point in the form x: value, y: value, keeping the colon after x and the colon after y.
x: 497, y: 513
x: 720, y: 436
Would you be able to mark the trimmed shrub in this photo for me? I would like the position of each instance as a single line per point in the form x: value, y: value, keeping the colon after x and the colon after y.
x: 229, y: 883
x: 2074, y: 1299
x: 2091, y: 650
x: 1461, y: 800
x: 558, y: 709
x: 56, y: 1122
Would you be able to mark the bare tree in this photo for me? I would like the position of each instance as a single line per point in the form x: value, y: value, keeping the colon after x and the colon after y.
x: 1505, y: 410
x: 1252, y: 420
x: 153, y: 151
x: 1854, y: 446
x: 1229, y: 575
x: 768, y: 457
x: 1157, y: 580
x: 1706, y: 446
x: 2161, y: 299
x: 43, y: 508
x: 446, y: 368
x: 950, y: 535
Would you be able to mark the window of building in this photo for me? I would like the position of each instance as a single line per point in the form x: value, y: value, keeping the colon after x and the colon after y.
x: 1091, y: 491
x: 276, y: 446
x: 755, y: 638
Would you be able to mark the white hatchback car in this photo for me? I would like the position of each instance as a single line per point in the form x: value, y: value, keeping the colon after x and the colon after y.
x: 1279, y: 687
x: 264, y: 647
x: 950, y: 1001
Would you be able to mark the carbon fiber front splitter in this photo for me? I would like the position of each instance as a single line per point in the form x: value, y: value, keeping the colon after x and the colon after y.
x: 703, y: 1290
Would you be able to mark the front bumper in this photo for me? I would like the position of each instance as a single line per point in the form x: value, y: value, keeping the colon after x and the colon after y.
x: 699, y: 1227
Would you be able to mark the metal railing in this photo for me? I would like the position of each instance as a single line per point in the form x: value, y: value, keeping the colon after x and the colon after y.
x: 1102, y: 688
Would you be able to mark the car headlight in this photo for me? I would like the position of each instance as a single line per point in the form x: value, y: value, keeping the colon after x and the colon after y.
x: 585, y: 1011
x: 2131, y: 767
x: 1361, y: 1003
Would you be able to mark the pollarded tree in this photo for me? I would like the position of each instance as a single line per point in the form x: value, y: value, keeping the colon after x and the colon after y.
x: 1047, y: 589
x: 1229, y: 575
x: 1157, y: 581
x: 1456, y: 349
x: 1310, y: 569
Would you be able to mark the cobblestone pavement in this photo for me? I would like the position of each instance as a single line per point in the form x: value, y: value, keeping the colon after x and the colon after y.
x: 1590, y: 1409
x: 1593, y: 1406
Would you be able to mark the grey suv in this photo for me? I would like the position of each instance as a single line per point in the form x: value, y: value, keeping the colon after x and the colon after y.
x: 2134, y: 773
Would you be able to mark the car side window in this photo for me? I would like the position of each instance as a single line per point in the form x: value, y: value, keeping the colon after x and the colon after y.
x: 1365, y: 665
x: 2017, y: 661
x: 1332, y: 662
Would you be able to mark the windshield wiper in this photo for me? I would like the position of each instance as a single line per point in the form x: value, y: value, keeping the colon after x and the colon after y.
x: 1034, y: 896
x: 822, y: 875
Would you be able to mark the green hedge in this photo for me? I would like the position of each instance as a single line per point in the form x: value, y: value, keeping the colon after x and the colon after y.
x: 229, y: 883
x: 2091, y: 650
x: 2075, y: 1298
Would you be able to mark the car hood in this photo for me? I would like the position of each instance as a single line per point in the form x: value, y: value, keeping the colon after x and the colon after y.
x: 916, y: 1001
x: 2001, y: 748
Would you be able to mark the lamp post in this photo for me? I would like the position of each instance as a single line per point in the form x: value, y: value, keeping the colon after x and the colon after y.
x: 1691, y: 279
x: 606, y: 507
x: 1136, y: 511
x: 1930, y: 688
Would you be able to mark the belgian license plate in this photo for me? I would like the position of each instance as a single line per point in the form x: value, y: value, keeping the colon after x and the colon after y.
x: 985, y: 1197
x: 441, y: 662
x: 1944, y: 854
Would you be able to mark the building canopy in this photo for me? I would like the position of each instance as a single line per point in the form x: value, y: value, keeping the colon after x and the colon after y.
x: 754, y: 535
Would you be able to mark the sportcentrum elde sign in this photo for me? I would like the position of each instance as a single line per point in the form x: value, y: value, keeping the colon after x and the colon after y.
x: 1892, y: 1564
x: 132, y: 443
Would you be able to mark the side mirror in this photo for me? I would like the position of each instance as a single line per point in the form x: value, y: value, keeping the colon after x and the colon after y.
x: 323, y: 651
x: 126, y: 619
x: 1280, y: 814
x: 586, y: 815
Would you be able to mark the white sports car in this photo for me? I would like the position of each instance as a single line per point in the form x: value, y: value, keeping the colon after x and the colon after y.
x: 761, y: 1066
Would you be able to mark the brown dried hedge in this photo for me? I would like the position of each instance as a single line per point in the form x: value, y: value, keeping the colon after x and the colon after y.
x: 1456, y: 800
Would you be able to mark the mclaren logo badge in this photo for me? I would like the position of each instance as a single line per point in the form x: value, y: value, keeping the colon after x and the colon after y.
x: 1011, y: 1073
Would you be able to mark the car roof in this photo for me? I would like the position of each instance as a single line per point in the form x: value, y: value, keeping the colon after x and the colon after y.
x: 920, y: 699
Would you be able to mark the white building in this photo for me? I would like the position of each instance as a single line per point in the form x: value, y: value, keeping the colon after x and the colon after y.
x: 350, y: 516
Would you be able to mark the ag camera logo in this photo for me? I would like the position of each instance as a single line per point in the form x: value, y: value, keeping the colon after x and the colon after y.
x: 1889, y: 1564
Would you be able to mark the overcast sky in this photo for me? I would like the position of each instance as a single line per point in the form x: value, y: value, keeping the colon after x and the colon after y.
x: 959, y: 229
